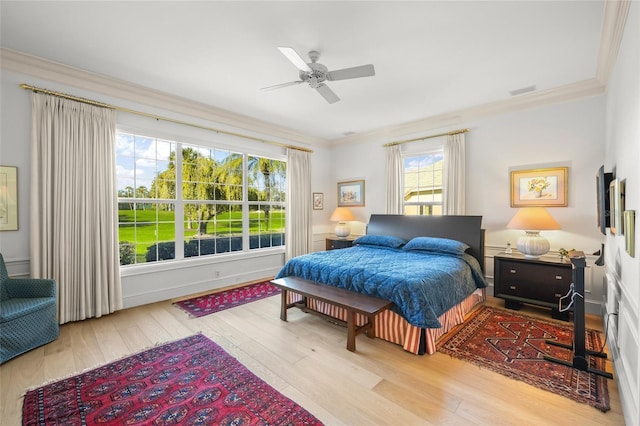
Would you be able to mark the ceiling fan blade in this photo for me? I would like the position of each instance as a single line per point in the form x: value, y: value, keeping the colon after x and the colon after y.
x: 327, y: 93
x: 295, y: 59
x: 278, y: 86
x: 355, y: 72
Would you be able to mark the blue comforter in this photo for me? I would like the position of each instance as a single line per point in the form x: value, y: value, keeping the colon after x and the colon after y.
x: 422, y: 285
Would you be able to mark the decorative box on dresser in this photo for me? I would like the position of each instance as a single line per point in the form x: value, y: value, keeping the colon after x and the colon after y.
x: 334, y: 243
x: 540, y: 281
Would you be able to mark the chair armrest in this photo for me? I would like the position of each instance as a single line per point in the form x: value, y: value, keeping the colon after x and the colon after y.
x: 30, y: 287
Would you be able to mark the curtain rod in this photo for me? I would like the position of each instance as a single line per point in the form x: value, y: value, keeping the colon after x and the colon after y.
x: 451, y: 133
x: 156, y: 117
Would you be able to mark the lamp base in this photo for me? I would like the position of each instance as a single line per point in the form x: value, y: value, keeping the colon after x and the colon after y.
x: 342, y: 230
x: 533, y: 245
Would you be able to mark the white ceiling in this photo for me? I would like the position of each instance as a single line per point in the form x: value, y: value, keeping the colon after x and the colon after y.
x: 430, y: 57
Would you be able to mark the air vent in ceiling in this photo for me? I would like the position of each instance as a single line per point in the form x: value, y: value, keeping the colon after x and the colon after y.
x: 522, y: 90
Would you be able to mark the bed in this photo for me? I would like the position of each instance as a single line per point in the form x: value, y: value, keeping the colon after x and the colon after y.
x: 430, y: 267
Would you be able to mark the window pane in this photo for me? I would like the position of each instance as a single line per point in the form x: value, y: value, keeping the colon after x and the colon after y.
x: 228, y: 222
x: 423, y: 184
x: 266, y: 225
x: 211, y: 228
x: 146, y: 232
x: 266, y: 193
x: 198, y: 173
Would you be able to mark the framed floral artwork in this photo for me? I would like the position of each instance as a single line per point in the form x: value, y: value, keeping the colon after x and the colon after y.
x: 318, y: 201
x: 351, y: 194
x: 540, y: 187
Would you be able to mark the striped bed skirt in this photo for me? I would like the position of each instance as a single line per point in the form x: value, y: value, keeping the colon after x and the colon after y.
x: 392, y: 327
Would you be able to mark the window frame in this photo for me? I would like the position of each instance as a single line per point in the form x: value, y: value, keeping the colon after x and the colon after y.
x: 180, y: 142
x: 432, y: 149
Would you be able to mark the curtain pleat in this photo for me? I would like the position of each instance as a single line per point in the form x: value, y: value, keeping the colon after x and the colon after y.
x: 453, y: 168
x: 74, y: 234
x: 395, y: 177
x: 298, y: 203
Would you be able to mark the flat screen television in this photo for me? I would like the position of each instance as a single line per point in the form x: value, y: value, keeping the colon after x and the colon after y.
x: 602, y: 186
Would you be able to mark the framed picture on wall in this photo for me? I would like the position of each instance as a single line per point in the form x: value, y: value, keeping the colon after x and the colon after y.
x: 616, y: 204
x: 539, y: 187
x: 630, y: 232
x: 8, y: 198
x: 351, y: 193
x: 318, y: 201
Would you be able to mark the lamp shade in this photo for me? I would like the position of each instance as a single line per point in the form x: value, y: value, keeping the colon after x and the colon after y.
x: 533, y: 220
x: 342, y: 215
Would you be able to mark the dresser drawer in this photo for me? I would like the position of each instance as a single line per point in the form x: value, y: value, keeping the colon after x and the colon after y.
x: 534, y: 273
x: 338, y: 243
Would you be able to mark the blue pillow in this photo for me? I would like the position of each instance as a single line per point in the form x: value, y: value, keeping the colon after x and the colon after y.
x: 380, y: 240
x: 439, y: 245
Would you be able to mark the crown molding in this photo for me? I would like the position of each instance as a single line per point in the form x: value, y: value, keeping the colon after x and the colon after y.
x: 566, y: 93
x: 613, y: 23
x: 22, y: 63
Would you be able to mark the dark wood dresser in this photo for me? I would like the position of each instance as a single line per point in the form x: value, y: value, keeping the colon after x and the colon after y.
x: 540, y: 281
x: 333, y: 243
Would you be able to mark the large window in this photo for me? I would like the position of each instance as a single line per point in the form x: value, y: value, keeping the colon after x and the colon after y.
x: 423, y: 184
x: 204, y: 202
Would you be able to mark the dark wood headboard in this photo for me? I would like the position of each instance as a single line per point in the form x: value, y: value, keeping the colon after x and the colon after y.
x: 467, y: 229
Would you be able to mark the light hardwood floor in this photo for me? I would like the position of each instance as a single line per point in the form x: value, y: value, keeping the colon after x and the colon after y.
x: 306, y: 360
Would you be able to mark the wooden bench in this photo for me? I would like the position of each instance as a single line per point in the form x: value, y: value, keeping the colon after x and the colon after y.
x: 351, y: 301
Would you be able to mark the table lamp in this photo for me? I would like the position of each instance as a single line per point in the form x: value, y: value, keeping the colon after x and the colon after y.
x: 532, y: 220
x: 342, y: 215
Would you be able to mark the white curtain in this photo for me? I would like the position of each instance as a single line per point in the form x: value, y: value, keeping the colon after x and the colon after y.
x: 395, y: 177
x: 453, y: 187
x: 298, y: 203
x: 74, y: 213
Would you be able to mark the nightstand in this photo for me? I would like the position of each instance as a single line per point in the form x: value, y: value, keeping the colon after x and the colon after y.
x: 540, y: 282
x: 334, y: 243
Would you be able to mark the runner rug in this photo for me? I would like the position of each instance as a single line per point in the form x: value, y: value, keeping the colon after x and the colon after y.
x: 514, y: 345
x: 219, y: 301
x: 188, y: 382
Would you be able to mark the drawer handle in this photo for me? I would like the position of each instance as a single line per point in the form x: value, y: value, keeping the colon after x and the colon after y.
x: 558, y: 277
x: 558, y: 295
x: 513, y: 271
x: 512, y: 287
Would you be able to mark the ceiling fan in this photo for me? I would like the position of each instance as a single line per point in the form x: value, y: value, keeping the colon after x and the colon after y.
x: 315, y: 74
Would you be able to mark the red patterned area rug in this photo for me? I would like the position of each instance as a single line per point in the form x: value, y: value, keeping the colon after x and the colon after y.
x: 214, y: 302
x: 514, y: 345
x: 188, y: 382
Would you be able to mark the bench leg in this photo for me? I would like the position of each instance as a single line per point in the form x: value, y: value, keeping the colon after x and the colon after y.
x: 371, y: 331
x: 351, y: 331
x: 283, y: 305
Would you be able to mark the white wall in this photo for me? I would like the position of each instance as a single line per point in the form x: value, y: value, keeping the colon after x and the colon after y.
x: 567, y: 134
x: 622, y: 156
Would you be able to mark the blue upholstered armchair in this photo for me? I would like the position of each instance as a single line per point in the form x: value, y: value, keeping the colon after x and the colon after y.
x: 28, y: 314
